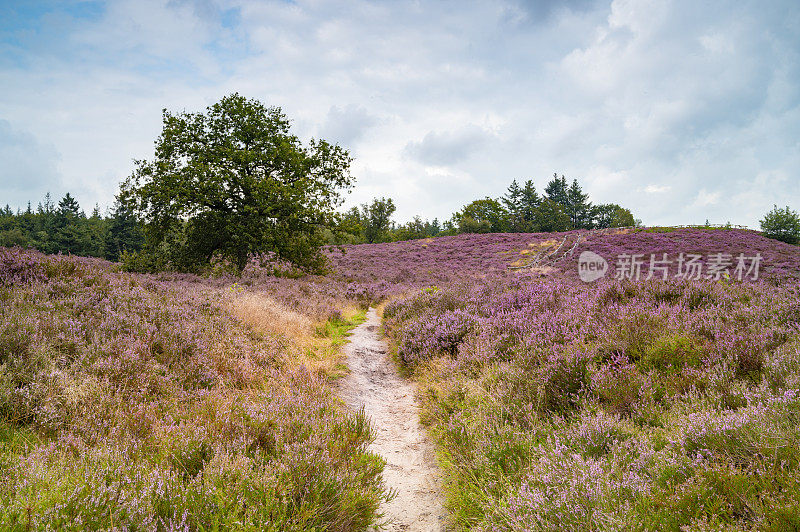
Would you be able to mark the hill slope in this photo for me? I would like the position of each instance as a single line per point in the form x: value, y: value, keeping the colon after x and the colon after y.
x: 661, y: 404
x: 444, y: 259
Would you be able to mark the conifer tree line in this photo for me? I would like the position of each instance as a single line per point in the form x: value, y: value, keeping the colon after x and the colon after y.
x: 65, y: 228
x: 562, y: 206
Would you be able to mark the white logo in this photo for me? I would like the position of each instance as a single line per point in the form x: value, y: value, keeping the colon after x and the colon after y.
x: 591, y: 266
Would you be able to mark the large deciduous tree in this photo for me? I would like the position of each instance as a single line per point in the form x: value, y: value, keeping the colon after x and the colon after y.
x: 611, y: 215
x: 233, y: 182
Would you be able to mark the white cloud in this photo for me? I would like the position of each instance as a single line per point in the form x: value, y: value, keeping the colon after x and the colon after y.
x: 657, y: 189
x: 448, y: 147
x: 717, y: 43
x: 440, y: 103
x: 27, y: 166
x: 347, y: 125
x: 705, y: 198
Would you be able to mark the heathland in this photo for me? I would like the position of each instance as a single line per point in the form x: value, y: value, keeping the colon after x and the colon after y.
x: 175, y: 401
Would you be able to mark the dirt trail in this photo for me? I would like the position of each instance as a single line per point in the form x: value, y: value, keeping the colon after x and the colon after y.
x: 389, y: 402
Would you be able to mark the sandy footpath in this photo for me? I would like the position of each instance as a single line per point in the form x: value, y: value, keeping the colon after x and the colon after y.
x: 388, y: 400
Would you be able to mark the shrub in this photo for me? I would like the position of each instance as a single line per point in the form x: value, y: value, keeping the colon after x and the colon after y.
x: 782, y: 224
x: 152, y: 408
x: 436, y: 335
x: 671, y: 353
x: 617, y: 385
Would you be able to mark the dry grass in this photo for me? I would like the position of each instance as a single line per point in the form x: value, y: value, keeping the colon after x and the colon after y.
x: 267, y: 316
x: 305, y: 343
x: 534, y: 248
x: 544, y: 243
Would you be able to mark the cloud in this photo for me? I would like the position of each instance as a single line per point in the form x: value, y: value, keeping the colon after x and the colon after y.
x: 29, y: 167
x: 448, y: 147
x: 540, y: 11
x: 439, y: 103
x: 705, y: 198
x: 657, y: 189
x: 347, y: 125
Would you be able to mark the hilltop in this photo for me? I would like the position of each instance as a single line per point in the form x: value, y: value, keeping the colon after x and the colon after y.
x: 439, y: 260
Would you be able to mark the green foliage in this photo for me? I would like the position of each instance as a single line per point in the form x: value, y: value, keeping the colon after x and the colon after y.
x: 124, y: 232
x: 612, y: 215
x: 376, y: 219
x: 574, y: 202
x: 782, y: 224
x: 671, y: 353
x: 373, y: 223
x: 417, y: 229
x: 563, y: 207
x: 338, y: 328
x: 557, y: 190
x: 550, y: 217
x: 482, y: 216
x: 349, y: 228
x: 624, y: 218
x: 66, y: 229
x: 233, y: 182
x: 521, y: 204
x: 578, y: 207
x: 13, y: 237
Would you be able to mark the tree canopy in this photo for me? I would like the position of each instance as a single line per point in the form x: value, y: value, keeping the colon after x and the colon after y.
x: 233, y: 182
x: 782, y: 224
x: 65, y: 228
x: 485, y: 215
x: 562, y: 207
x: 376, y: 219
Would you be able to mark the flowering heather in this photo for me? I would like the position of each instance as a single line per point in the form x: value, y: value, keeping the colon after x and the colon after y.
x: 141, y: 402
x: 616, y: 405
x: 317, y: 296
x: 398, y: 266
x: 128, y: 401
x: 431, y: 261
x: 780, y: 261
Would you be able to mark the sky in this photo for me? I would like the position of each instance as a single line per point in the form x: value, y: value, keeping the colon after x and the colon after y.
x: 682, y: 111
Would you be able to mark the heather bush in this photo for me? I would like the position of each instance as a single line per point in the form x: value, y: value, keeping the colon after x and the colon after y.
x: 137, y: 402
x: 617, y: 405
x: 556, y: 405
x: 442, y: 334
x: 617, y: 385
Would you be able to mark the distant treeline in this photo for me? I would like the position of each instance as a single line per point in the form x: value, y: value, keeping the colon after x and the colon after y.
x: 562, y: 207
x: 65, y: 228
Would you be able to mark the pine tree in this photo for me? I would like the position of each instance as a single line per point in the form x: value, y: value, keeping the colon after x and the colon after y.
x: 68, y: 206
x: 513, y: 204
x: 550, y: 217
x: 44, y: 236
x: 69, y: 235
x: 124, y: 232
x: 529, y: 203
x: 557, y: 190
x: 578, y: 207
